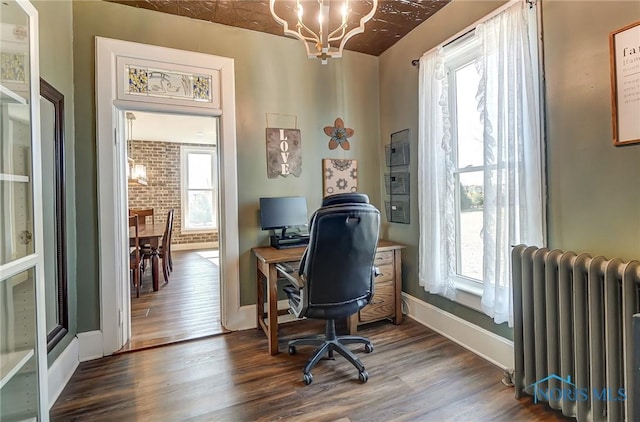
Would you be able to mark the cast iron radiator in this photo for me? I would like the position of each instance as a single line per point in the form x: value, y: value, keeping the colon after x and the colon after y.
x: 574, y: 333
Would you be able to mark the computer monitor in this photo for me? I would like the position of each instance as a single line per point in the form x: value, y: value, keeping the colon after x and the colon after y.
x: 283, y: 212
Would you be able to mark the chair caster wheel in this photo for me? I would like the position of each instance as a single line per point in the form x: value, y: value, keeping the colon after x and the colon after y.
x: 368, y: 348
x: 292, y: 350
x: 307, y: 379
x: 364, y: 376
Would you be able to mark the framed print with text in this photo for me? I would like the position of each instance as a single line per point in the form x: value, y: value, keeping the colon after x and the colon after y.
x: 624, y: 45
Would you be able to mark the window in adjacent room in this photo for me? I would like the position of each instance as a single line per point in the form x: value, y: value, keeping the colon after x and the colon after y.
x: 198, y: 181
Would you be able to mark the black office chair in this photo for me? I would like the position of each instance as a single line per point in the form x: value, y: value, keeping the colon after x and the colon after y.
x: 335, y: 279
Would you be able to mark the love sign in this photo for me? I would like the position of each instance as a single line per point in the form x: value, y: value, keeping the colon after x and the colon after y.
x: 284, y: 152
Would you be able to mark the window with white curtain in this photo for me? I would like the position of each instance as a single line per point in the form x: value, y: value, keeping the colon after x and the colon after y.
x: 198, y: 181
x: 479, y: 159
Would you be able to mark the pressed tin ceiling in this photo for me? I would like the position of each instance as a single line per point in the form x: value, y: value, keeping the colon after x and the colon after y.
x: 392, y: 20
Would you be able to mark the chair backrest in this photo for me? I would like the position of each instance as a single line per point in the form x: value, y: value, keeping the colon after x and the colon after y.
x: 345, y: 198
x: 142, y: 214
x: 168, y: 229
x: 338, y: 263
x: 135, y: 245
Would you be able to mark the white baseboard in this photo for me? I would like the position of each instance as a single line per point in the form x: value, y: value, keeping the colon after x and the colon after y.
x: 61, y: 370
x: 194, y: 246
x: 487, y: 345
x: 244, y: 319
x: 90, y: 345
x: 246, y: 316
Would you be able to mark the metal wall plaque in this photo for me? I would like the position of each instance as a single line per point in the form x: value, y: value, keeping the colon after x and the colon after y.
x: 284, y: 152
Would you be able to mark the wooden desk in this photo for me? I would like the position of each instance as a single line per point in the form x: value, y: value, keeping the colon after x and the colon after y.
x: 151, y: 234
x: 384, y: 304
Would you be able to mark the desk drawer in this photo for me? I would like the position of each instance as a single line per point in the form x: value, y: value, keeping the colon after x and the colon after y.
x: 383, y: 258
x: 383, y: 303
x: 387, y: 273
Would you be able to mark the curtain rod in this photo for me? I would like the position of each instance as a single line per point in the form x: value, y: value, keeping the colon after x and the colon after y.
x: 465, y: 31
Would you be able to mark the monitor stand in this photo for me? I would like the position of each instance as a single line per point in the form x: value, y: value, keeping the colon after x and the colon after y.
x: 280, y: 240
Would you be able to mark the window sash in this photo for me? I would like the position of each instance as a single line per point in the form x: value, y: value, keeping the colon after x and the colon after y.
x: 187, y: 190
x: 460, y: 54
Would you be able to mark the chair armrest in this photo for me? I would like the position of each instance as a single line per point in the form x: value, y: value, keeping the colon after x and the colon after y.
x: 292, y: 276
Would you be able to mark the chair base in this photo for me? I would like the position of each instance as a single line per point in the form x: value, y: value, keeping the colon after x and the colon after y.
x: 327, y: 344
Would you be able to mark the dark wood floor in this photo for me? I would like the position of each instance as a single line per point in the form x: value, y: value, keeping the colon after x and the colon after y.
x: 187, y: 307
x: 415, y: 375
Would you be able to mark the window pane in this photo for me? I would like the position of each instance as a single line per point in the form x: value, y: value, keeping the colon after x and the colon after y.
x: 470, y: 227
x: 199, y: 166
x: 200, y: 210
x: 470, y: 140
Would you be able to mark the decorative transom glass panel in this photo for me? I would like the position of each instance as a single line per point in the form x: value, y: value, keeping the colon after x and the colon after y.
x: 138, y: 80
x: 168, y: 84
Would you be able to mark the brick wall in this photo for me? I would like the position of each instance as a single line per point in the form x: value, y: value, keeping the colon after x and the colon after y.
x: 162, y: 193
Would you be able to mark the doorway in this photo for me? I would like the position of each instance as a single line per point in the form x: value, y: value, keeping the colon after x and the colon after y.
x: 172, y: 164
x: 119, y: 87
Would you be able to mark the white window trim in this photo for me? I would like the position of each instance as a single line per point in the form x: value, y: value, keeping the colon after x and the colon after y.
x: 468, y: 292
x: 185, y: 150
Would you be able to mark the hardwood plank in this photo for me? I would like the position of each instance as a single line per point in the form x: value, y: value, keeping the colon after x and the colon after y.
x: 185, y: 308
x: 415, y: 375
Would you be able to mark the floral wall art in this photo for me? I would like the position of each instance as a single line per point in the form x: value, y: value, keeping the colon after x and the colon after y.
x: 339, y: 135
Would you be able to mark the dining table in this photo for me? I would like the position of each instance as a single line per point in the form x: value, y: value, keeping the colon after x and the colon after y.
x: 151, y: 235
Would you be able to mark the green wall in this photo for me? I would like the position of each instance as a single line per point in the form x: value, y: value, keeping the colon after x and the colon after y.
x: 593, y: 188
x: 56, y: 60
x: 272, y: 75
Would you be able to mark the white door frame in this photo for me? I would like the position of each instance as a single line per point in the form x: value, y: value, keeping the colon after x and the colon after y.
x: 112, y: 227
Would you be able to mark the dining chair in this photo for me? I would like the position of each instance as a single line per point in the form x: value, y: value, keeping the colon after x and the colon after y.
x: 134, y: 254
x: 164, y: 251
x: 142, y: 214
x: 170, y: 236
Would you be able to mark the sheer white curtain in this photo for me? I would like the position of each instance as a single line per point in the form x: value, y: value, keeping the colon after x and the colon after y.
x: 435, y: 192
x: 509, y: 105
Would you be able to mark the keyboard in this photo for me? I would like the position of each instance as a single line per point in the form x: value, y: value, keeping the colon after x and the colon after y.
x: 286, y: 267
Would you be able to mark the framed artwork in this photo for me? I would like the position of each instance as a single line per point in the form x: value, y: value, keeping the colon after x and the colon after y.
x: 624, y: 49
x: 339, y: 176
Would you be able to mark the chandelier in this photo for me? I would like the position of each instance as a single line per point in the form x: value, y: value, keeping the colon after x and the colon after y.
x: 136, y: 173
x: 320, y: 27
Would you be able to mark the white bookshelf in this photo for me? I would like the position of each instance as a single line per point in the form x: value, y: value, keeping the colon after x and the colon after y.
x: 5, y: 177
x: 23, y: 353
x: 11, y: 363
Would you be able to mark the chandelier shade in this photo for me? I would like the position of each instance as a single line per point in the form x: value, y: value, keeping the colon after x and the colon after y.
x: 324, y: 26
